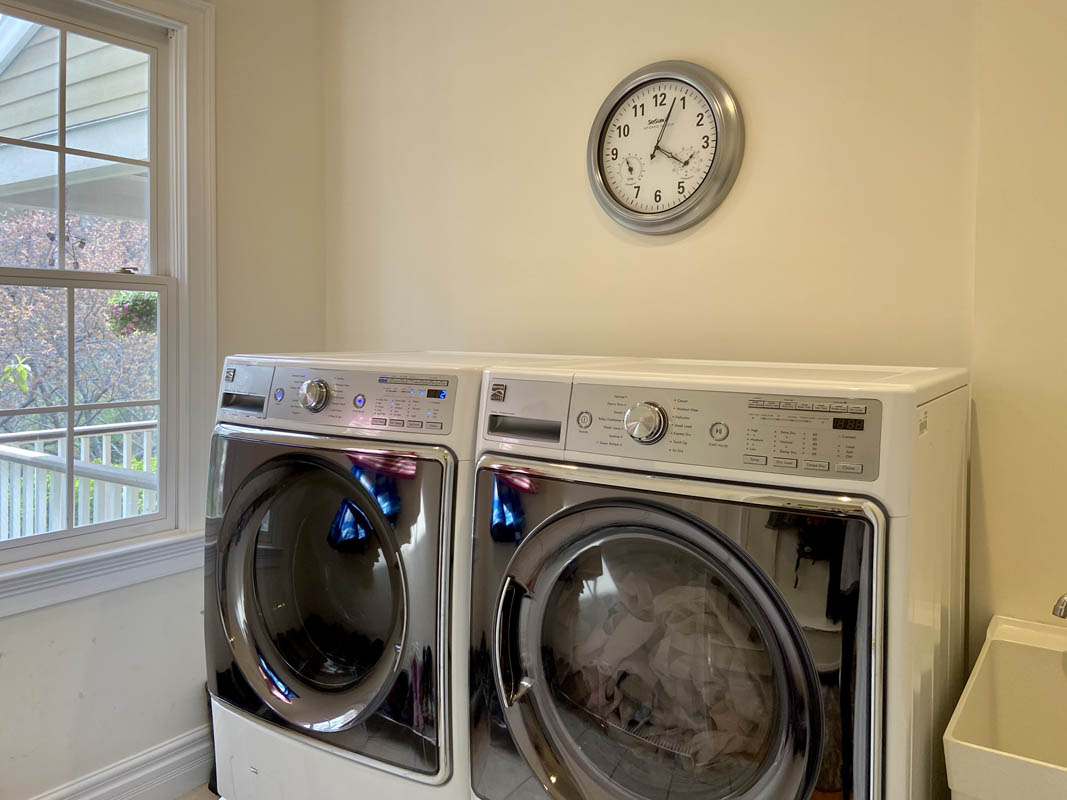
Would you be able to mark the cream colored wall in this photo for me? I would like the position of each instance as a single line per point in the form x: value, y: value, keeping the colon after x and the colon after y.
x: 268, y: 103
x: 1019, y: 473
x: 459, y: 214
x: 98, y: 680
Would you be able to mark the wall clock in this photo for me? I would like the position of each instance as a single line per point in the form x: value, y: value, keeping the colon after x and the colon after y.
x: 665, y: 147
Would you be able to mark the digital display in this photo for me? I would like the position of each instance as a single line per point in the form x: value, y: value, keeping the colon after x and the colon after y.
x: 439, y: 394
x: 845, y: 424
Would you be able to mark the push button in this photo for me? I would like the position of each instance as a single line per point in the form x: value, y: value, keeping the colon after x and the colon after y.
x: 755, y: 404
x: 770, y: 404
x: 433, y: 426
x: 378, y: 421
x: 585, y: 419
x: 855, y: 469
x: 758, y: 461
x: 788, y: 404
x: 822, y: 466
x: 857, y: 409
x: 803, y: 406
x: 396, y: 423
x: 414, y: 423
x: 839, y: 407
x: 820, y: 406
x: 790, y: 463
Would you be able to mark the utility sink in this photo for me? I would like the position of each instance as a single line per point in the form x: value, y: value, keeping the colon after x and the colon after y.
x: 1007, y: 739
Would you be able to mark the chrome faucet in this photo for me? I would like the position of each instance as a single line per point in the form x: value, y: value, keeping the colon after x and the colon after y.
x: 1060, y: 609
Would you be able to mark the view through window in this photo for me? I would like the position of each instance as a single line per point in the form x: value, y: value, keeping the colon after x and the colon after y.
x: 81, y: 310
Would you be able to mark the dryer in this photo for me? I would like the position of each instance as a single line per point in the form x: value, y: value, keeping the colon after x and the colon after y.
x: 703, y: 580
x: 332, y: 504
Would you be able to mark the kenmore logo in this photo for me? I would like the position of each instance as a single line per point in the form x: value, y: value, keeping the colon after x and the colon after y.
x: 497, y: 392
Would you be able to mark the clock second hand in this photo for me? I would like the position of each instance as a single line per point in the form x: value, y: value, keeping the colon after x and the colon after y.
x: 663, y: 128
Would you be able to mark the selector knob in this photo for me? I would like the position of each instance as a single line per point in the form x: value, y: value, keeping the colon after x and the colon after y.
x: 645, y: 422
x: 314, y: 395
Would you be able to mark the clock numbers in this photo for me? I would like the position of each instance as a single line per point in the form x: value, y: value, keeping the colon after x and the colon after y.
x: 665, y: 147
x: 663, y: 153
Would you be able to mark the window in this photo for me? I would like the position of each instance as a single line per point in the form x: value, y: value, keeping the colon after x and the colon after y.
x: 87, y: 307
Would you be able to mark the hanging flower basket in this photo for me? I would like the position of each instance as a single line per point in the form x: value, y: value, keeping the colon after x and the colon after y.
x: 132, y: 312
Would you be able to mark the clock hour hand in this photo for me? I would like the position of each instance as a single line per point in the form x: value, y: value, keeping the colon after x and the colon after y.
x: 663, y: 128
x: 669, y: 154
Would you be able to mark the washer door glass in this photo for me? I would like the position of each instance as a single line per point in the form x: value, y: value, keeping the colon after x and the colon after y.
x: 649, y: 656
x: 314, y: 595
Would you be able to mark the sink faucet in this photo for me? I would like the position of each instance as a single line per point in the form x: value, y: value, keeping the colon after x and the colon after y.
x: 1060, y: 609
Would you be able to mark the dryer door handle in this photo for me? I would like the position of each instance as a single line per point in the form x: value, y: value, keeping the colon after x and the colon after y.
x: 507, y: 660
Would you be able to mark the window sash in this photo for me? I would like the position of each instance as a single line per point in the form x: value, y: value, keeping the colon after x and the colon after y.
x: 161, y: 257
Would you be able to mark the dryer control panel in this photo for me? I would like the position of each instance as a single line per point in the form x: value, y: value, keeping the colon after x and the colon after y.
x: 384, y: 401
x: 835, y: 437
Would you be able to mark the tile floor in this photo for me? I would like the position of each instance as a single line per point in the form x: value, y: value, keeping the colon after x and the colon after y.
x: 201, y: 793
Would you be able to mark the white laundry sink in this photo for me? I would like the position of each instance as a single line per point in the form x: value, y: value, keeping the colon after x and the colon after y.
x: 1007, y: 739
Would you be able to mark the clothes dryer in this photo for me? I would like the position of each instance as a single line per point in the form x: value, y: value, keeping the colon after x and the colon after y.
x: 701, y: 580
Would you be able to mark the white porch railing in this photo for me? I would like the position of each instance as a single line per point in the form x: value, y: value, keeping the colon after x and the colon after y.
x: 115, y: 476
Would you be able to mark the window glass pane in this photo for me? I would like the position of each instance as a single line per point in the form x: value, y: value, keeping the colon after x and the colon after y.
x: 107, y: 215
x: 33, y: 484
x: 29, y: 196
x: 33, y: 348
x: 29, y: 80
x: 116, y: 463
x: 116, y: 346
x: 107, y: 98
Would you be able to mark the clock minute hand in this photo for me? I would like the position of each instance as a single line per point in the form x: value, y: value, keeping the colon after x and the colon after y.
x: 662, y: 129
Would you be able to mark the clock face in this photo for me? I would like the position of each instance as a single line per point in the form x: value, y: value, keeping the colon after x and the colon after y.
x: 658, y: 146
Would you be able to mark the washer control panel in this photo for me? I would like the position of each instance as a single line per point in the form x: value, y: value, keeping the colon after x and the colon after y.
x: 384, y: 401
x: 837, y: 437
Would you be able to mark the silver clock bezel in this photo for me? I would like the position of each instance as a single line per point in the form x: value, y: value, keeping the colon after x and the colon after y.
x: 730, y: 147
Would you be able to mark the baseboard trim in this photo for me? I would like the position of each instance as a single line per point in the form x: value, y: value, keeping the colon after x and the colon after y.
x: 163, y: 772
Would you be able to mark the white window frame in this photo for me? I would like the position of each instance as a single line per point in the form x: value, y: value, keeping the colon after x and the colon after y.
x: 60, y: 566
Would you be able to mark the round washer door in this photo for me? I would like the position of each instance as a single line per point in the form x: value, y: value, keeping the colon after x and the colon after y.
x: 312, y: 591
x: 640, y: 654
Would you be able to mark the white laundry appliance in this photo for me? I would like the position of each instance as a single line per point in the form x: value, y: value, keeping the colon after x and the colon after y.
x: 337, y: 485
x: 710, y: 580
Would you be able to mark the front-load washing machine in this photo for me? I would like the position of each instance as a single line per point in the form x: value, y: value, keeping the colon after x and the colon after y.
x: 332, y: 502
x: 700, y: 581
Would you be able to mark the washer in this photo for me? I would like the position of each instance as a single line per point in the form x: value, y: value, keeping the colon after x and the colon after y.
x: 705, y: 580
x: 333, y: 492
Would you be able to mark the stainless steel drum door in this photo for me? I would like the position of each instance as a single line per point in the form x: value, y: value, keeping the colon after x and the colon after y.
x: 729, y: 685
x: 312, y: 590
x: 644, y: 637
x: 326, y: 591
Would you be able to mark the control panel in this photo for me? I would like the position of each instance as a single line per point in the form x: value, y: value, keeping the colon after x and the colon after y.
x: 789, y: 434
x: 385, y: 401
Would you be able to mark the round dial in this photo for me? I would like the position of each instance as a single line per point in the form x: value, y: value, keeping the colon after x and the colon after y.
x: 665, y: 147
x: 314, y: 395
x: 645, y: 422
x: 659, y: 146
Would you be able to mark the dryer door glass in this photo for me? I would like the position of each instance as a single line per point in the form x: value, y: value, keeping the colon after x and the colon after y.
x: 313, y: 591
x: 648, y: 653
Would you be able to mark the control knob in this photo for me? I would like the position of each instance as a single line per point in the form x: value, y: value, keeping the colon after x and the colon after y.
x: 645, y: 422
x: 314, y: 395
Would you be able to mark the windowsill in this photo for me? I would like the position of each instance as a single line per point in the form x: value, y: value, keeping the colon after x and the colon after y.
x: 71, y: 575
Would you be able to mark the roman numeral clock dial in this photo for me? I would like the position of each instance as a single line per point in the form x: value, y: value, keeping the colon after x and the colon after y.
x: 665, y: 147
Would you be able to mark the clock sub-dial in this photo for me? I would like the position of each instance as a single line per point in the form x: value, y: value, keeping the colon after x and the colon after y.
x: 631, y: 169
